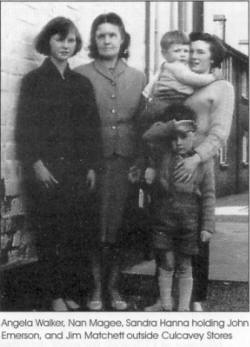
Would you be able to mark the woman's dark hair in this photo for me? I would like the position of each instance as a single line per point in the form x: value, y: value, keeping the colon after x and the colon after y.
x: 217, y: 49
x: 178, y: 112
x: 58, y: 25
x: 111, y: 18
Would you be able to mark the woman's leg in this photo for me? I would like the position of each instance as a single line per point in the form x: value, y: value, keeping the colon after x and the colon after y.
x: 95, y: 303
x: 55, y: 237
x: 112, y: 258
x: 40, y: 223
x: 114, y: 188
x: 105, y: 269
x: 200, y: 274
x: 184, y: 281
x: 50, y: 267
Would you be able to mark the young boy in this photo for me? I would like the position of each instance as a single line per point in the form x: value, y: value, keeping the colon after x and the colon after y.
x: 183, y: 213
x: 174, y: 82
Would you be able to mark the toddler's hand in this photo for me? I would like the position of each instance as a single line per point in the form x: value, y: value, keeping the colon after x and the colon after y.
x: 205, y: 236
x: 134, y: 174
x: 217, y: 73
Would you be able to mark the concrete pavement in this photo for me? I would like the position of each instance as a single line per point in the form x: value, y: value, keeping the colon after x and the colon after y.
x: 229, y: 247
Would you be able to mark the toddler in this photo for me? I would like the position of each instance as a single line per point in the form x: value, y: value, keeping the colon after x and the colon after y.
x: 182, y: 213
x: 174, y: 82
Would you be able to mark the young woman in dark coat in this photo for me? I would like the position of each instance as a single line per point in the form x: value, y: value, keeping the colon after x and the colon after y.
x: 58, y: 141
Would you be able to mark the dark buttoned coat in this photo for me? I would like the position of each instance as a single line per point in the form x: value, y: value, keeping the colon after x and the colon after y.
x: 57, y: 117
x: 58, y: 123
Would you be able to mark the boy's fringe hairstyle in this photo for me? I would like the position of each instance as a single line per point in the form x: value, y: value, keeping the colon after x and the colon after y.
x: 174, y: 37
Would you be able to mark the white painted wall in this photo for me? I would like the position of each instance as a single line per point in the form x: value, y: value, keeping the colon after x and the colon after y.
x: 236, y: 24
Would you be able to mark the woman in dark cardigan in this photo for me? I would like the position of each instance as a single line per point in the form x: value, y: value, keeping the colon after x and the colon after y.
x: 58, y: 141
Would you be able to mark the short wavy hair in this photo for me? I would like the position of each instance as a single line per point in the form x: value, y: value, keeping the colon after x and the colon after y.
x: 217, y: 49
x: 58, y: 25
x: 174, y: 37
x: 111, y: 18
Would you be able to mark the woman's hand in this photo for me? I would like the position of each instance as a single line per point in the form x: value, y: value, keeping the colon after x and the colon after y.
x: 205, y: 236
x: 134, y: 174
x: 150, y: 174
x: 91, y: 179
x: 43, y: 175
x: 185, y: 168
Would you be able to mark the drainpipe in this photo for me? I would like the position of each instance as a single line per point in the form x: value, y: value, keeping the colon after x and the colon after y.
x: 147, y: 39
x: 220, y: 26
x: 156, y: 37
x: 173, y: 15
x: 198, y: 16
x: 237, y: 129
x: 182, y: 12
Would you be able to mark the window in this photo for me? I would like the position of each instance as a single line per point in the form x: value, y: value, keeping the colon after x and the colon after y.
x: 227, y: 69
x: 244, y: 85
x: 223, y: 156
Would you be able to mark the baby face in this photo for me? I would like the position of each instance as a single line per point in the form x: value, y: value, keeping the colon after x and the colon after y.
x: 177, y: 52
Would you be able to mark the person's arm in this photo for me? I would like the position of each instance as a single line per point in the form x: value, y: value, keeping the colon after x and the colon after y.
x: 147, y: 91
x: 159, y: 131
x: 140, y: 147
x: 28, y: 129
x: 43, y: 175
x: 89, y: 133
x: 184, y: 75
x: 185, y: 168
x: 221, y: 119
x: 207, y: 188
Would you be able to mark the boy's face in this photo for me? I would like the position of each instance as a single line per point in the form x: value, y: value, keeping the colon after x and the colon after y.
x: 182, y: 142
x: 176, y: 52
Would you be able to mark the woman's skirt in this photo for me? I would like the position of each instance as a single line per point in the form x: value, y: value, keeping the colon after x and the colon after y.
x: 114, y: 192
